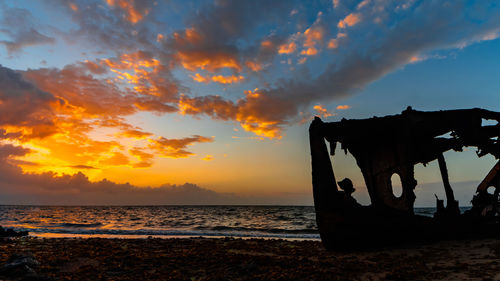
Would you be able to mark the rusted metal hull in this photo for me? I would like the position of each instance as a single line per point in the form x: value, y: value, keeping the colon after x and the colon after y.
x: 381, y: 153
x: 367, y: 229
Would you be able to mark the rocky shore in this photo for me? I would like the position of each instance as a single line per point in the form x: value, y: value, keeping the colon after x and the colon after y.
x: 29, y: 258
x: 11, y: 233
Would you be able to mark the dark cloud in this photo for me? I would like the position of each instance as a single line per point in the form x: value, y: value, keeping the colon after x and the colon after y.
x: 18, y: 24
x: 5, y: 135
x: 212, y: 35
x: 108, y: 27
x: 47, y: 188
x: 224, y: 22
x: 23, y: 105
x: 8, y: 154
x: 375, y: 50
x: 9, y: 150
x: 427, y: 27
x: 151, y: 78
x: 89, y: 99
x: 84, y: 92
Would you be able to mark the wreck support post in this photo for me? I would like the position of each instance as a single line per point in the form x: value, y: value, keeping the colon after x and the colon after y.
x: 323, y: 180
x: 325, y: 191
x: 493, y: 177
x: 451, y: 203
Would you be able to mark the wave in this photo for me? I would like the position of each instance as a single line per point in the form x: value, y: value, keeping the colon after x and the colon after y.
x: 188, y: 233
x: 270, y: 230
x: 76, y: 225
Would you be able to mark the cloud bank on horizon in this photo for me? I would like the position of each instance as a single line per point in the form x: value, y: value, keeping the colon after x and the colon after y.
x: 265, y: 65
x: 51, y: 189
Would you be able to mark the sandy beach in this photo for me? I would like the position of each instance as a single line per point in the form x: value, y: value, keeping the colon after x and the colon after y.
x: 239, y: 259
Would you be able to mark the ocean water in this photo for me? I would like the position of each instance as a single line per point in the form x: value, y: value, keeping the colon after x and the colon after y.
x: 163, y: 221
x: 287, y: 222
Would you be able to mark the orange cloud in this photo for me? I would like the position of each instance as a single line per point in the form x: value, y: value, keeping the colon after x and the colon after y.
x: 53, y: 189
x: 343, y: 107
x: 118, y: 159
x: 95, y: 68
x: 145, y: 74
x: 75, y: 148
x: 136, y: 61
x: 254, y: 66
x: 217, y: 78
x: 145, y: 159
x: 267, y: 44
x: 415, y: 59
x: 136, y: 134
x: 152, y: 104
x: 258, y: 112
x: 309, y: 51
x: 287, y: 48
x: 210, y: 105
x: 128, y: 6
x: 227, y: 79
x: 333, y: 44
x: 190, y: 36
x: 83, y: 95
x: 265, y: 129
x: 176, y: 148
x: 62, y: 114
x: 210, y: 61
x: 323, y: 112
x: 312, y: 36
x: 62, y: 153
x: 208, y: 157
x: 200, y: 79
x: 363, y: 4
x: 350, y: 20
x: 73, y: 7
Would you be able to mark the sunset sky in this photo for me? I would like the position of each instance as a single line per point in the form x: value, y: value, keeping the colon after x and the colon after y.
x: 192, y: 102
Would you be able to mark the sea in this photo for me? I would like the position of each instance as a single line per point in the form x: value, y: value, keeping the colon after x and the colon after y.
x: 279, y: 222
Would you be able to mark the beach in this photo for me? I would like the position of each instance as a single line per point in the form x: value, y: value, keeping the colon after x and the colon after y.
x: 245, y: 259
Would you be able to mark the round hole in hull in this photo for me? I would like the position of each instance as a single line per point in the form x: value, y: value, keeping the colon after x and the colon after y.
x: 397, y: 186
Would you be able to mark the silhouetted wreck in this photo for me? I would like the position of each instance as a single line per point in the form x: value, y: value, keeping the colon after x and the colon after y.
x: 383, y: 146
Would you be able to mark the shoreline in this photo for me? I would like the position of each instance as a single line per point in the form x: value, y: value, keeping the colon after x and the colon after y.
x: 250, y: 259
x: 51, y: 235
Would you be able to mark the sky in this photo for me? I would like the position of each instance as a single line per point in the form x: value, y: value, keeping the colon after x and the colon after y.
x: 209, y: 102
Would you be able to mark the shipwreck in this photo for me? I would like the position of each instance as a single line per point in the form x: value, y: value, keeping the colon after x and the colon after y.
x: 383, y: 146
